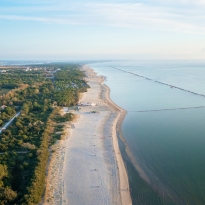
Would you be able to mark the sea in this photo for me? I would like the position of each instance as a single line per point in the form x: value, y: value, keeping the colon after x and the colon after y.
x: 163, y: 144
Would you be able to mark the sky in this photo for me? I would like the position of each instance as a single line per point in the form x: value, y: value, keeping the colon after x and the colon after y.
x: 97, y: 30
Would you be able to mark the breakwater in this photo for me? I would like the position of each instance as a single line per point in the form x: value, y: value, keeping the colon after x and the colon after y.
x: 168, y: 109
x: 146, y: 78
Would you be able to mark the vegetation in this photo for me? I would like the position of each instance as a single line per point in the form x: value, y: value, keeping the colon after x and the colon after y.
x: 24, y: 145
x: 67, y: 117
x: 4, y: 91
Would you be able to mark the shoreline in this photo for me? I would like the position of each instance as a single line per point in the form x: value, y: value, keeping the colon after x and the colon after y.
x: 123, y: 175
x: 128, y: 152
x: 88, y: 167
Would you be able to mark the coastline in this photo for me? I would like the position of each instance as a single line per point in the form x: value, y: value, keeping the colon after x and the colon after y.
x: 123, y: 176
x: 91, y: 150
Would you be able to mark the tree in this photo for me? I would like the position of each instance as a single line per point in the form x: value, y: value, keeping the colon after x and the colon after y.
x: 19, y: 125
x: 36, y: 91
x: 28, y: 146
x: 3, y: 173
x: 9, y: 110
x: 7, y: 195
x: 25, y: 108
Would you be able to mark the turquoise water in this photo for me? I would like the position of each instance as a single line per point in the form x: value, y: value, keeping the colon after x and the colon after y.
x: 169, y: 145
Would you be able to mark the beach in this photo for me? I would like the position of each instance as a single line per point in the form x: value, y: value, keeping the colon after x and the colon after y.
x: 87, y: 166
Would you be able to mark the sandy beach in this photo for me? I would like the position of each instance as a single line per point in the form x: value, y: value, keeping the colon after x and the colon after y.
x: 87, y: 167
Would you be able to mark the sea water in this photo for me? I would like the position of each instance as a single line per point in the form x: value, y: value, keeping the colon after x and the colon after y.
x: 164, y: 128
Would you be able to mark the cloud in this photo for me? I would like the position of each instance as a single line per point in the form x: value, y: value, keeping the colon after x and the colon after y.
x: 139, y: 15
x: 38, y: 19
x: 178, y: 2
x: 132, y: 15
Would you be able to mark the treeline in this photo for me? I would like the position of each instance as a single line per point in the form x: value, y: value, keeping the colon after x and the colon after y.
x: 24, y: 145
x: 36, y: 187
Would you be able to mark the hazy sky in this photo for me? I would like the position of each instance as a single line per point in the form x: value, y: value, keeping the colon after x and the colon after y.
x: 93, y: 29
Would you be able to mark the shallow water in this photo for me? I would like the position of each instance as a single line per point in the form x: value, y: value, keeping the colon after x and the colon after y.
x: 168, y: 144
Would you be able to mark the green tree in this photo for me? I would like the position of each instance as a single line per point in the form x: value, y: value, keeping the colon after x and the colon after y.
x: 7, y: 195
x: 25, y: 108
x: 3, y: 173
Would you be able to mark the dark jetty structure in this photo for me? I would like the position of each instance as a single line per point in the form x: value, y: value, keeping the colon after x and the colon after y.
x: 169, y: 109
x: 171, y: 86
